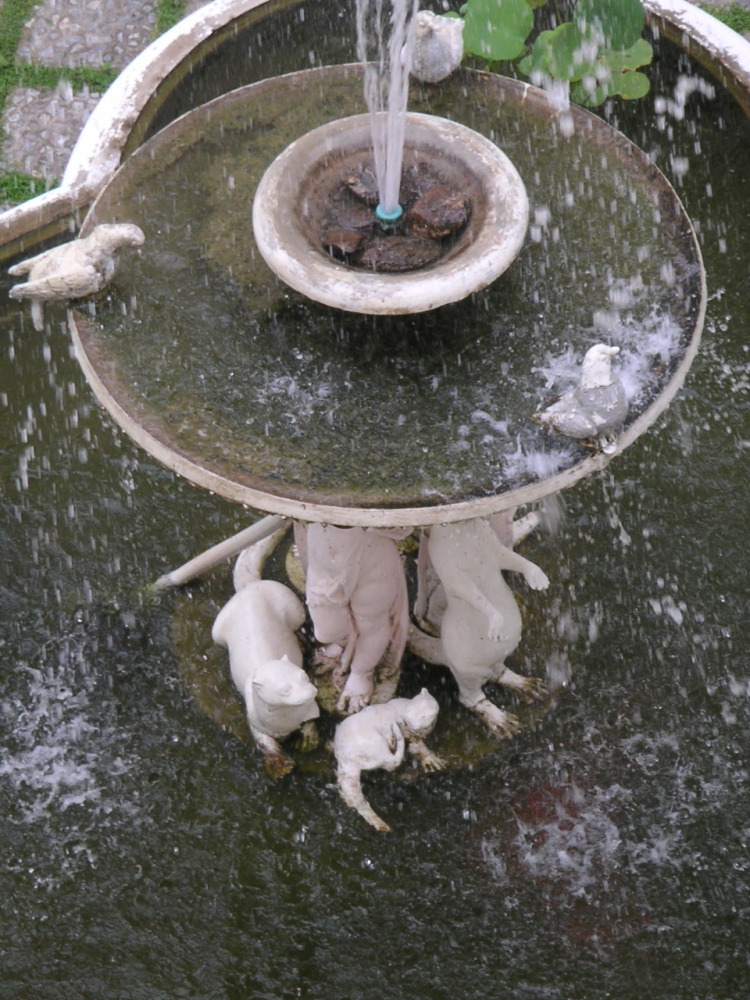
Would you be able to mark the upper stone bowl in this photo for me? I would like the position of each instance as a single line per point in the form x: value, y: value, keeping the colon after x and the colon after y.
x: 288, y: 204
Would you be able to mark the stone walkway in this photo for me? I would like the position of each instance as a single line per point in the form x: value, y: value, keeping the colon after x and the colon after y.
x: 87, y: 32
x: 41, y: 127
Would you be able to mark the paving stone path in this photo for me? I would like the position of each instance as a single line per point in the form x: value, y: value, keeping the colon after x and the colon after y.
x: 87, y: 32
x: 40, y: 128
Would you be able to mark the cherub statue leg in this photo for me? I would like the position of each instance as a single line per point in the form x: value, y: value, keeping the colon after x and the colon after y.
x: 350, y: 786
x: 380, y: 613
x: 333, y: 627
x: 373, y: 637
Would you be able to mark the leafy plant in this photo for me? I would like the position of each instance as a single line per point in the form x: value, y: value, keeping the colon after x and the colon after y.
x: 15, y: 186
x: 168, y: 13
x: 597, y: 53
x: 497, y: 30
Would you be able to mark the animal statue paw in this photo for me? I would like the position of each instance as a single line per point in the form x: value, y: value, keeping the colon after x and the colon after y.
x: 496, y: 627
x: 277, y: 764
x: 309, y: 737
x: 431, y: 761
x: 502, y: 724
x: 533, y: 689
x: 528, y: 689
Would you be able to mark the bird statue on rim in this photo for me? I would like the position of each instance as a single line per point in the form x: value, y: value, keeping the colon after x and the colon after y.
x: 438, y: 46
x: 596, y: 408
x: 74, y: 270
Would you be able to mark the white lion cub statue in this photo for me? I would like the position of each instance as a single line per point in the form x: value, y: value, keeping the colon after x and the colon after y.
x: 258, y: 627
x: 377, y: 737
x: 481, y: 625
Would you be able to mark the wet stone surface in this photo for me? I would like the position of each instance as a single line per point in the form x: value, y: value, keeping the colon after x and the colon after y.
x: 394, y: 254
x: 433, y: 216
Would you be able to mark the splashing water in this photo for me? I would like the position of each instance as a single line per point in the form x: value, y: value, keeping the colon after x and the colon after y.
x: 386, y: 75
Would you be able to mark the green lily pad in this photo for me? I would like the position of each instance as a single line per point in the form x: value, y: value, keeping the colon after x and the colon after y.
x: 497, y: 29
x: 633, y: 86
x: 639, y: 54
x: 561, y: 54
x: 630, y: 86
x: 616, y: 24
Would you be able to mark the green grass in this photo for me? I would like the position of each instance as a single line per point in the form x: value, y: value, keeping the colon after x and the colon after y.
x: 733, y: 16
x: 168, y: 13
x: 16, y: 187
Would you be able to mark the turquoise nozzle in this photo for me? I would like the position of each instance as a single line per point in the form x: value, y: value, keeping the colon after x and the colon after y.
x: 388, y: 218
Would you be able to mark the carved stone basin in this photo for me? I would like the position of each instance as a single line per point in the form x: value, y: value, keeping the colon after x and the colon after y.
x: 295, y: 184
x: 249, y: 389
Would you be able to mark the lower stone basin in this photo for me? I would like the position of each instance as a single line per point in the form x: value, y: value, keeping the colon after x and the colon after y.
x: 251, y: 390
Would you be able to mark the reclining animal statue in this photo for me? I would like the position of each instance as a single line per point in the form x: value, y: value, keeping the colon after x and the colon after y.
x: 377, y: 737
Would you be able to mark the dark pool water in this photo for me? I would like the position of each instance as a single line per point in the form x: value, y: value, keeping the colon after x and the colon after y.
x: 603, y: 853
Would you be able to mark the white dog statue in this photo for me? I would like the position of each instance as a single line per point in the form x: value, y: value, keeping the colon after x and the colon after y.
x: 481, y: 623
x: 258, y: 627
x: 377, y: 737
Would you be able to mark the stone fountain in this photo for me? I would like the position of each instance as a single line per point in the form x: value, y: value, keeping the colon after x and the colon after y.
x: 293, y: 408
x: 602, y: 849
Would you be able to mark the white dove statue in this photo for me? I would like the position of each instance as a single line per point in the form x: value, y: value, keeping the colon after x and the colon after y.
x: 597, y: 406
x: 438, y: 46
x: 75, y: 269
